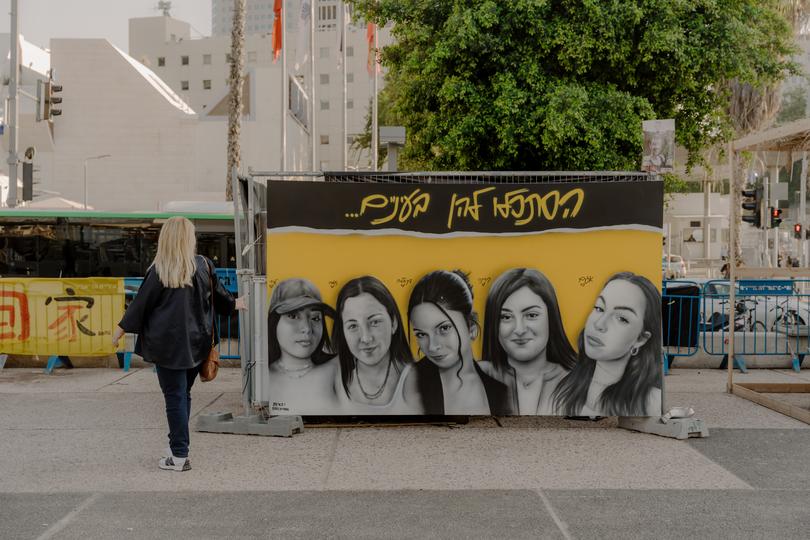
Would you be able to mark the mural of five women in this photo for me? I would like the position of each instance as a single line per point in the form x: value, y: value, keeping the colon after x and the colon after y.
x: 529, y: 366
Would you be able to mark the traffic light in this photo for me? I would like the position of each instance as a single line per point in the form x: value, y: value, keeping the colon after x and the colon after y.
x: 51, y: 88
x: 776, y: 217
x: 797, y: 231
x: 752, y: 202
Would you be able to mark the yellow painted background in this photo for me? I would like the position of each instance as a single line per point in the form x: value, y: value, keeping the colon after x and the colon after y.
x: 107, y: 310
x: 577, y: 263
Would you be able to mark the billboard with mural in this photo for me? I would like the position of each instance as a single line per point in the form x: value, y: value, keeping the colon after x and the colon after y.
x: 465, y: 298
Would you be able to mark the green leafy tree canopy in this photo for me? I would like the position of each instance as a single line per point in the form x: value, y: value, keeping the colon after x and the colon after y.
x: 565, y: 84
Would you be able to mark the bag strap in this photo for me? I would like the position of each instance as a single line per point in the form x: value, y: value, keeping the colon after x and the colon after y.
x: 211, y: 286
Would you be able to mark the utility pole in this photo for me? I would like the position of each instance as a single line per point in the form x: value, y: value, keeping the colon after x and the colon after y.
x: 312, y: 124
x: 802, y: 210
x: 13, y: 109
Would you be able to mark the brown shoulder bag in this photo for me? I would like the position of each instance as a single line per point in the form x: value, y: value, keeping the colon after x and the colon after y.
x: 210, y: 365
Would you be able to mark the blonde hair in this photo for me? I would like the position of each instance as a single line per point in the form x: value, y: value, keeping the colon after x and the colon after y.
x: 176, y: 249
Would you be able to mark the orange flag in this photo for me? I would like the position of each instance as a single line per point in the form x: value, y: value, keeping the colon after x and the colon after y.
x: 276, y: 38
x: 372, y: 53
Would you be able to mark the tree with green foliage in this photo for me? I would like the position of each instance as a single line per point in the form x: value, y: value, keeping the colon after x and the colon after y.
x: 565, y: 84
x: 794, y: 105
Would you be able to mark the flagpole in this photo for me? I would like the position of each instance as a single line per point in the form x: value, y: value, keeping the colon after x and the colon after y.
x: 343, y: 28
x: 374, y: 119
x: 312, y: 81
x: 285, y: 98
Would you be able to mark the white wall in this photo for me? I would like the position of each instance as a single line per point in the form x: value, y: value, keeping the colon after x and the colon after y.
x: 111, y: 108
x: 682, y: 210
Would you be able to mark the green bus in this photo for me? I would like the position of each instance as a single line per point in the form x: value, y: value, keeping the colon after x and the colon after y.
x: 88, y: 243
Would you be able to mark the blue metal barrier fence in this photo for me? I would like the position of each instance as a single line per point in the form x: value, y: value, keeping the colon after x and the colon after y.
x: 770, y: 318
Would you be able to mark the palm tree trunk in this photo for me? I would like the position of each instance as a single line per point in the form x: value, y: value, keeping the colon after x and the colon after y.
x: 235, y: 99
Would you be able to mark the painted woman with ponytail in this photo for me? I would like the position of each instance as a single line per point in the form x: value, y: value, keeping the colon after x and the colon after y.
x: 441, y: 316
x: 618, y: 372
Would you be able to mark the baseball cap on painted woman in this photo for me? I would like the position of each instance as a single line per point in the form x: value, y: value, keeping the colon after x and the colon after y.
x: 297, y: 293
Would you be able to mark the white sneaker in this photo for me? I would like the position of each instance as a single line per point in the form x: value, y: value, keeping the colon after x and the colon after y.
x: 172, y: 463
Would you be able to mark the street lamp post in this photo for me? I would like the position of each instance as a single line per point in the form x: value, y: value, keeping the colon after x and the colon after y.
x: 102, y: 156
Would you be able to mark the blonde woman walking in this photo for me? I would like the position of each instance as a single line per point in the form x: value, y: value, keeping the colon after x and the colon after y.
x: 172, y: 315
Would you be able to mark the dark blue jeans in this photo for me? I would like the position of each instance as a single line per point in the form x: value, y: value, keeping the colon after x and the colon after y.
x: 176, y: 385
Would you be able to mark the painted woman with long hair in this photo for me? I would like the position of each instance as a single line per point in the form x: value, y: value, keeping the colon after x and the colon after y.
x: 302, y: 367
x: 445, y: 324
x: 618, y: 372
x: 524, y: 340
x: 376, y: 367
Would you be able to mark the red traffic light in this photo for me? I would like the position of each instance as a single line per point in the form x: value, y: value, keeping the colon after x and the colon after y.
x: 797, y: 228
x: 777, y: 212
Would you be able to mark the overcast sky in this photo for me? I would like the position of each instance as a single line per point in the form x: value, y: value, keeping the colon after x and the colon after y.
x: 41, y: 20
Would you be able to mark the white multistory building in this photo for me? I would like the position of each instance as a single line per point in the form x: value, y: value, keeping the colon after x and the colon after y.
x: 197, y: 70
x: 127, y: 141
x: 258, y: 17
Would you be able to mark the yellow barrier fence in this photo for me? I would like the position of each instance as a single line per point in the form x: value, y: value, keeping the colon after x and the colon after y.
x: 59, y: 316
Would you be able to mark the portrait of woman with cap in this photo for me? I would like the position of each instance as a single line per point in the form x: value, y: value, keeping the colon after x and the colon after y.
x: 376, y: 366
x: 303, y: 370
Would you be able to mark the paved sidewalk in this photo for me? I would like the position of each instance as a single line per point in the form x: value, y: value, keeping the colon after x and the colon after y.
x: 79, y: 448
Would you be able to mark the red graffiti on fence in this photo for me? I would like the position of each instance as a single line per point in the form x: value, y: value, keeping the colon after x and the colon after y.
x: 15, y: 304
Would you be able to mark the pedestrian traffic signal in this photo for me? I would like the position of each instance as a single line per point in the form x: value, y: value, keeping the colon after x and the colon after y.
x: 752, y: 202
x: 776, y: 217
x: 797, y: 231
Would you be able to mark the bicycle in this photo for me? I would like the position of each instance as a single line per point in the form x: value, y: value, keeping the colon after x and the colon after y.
x: 744, y: 316
x: 786, y: 317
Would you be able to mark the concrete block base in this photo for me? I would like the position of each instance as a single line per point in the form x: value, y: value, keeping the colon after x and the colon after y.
x: 225, y: 422
x: 675, y: 428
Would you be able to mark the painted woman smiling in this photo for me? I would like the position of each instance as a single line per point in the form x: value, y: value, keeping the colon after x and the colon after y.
x: 619, y: 368
x: 525, y: 345
x: 375, y: 360
x: 445, y: 324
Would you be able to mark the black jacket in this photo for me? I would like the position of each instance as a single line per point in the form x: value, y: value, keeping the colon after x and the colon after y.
x: 430, y: 388
x: 174, y: 326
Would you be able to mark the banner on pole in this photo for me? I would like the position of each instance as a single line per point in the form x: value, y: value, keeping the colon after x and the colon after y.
x: 59, y: 316
x: 465, y: 298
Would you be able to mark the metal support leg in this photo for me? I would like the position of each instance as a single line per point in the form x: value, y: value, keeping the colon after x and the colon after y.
x: 739, y: 363
x: 53, y: 362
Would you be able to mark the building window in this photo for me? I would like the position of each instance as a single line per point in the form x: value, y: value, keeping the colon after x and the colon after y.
x: 350, y: 104
x: 324, y: 78
x: 183, y: 85
x: 324, y: 52
x: 349, y: 50
x: 207, y: 59
x: 184, y: 60
x: 327, y: 13
x: 161, y: 61
x: 349, y: 77
x: 324, y: 105
x: 324, y: 139
x: 207, y: 84
x: 252, y: 56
